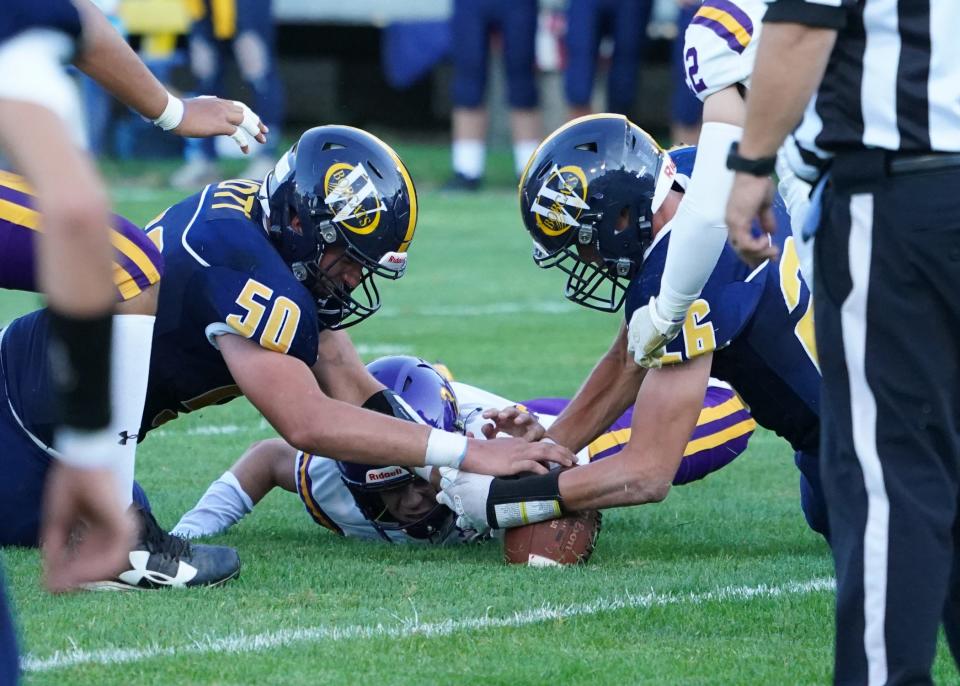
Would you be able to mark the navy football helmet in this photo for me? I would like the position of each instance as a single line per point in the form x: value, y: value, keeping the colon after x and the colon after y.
x: 587, y: 197
x: 348, y: 189
x: 431, y: 396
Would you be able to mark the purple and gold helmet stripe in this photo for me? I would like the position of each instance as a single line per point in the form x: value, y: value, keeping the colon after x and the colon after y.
x: 305, y: 491
x: 726, y: 20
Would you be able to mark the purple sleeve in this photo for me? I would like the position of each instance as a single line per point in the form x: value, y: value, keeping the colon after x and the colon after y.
x: 723, y: 429
x: 722, y: 432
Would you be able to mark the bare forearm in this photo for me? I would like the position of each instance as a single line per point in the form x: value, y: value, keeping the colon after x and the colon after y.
x: 663, y: 420
x: 349, y: 433
x: 106, y: 58
x: 611, y: 483
x: 606, y: 394
x: 340, y: 371
x: 790, y: 63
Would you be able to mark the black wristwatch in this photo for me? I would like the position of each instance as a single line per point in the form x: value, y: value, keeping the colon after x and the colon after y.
x: 761, y: 167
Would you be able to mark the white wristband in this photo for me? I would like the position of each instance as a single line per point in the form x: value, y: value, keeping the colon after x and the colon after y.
x: 87, y: 449
x: 172, y: 114
x: 445, y: 449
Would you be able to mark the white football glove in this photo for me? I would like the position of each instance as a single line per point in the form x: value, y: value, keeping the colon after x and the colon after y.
x: 649, y: 333
x: 466, y: 494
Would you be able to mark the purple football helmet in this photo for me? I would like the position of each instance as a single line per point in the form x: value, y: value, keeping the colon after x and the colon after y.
x: 431, y: 396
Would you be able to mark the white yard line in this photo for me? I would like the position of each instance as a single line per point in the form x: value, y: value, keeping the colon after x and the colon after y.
x: 248, y: 643
x: 498, y: 308
x: 383, y: 349
x: 214, y: 429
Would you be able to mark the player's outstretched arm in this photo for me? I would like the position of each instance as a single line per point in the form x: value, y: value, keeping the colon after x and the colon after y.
x: 664, y: 417
x: 287, y: 394
x: 665, y: 414
x: 106, y: 58
x: 265, y: 465
x: 606, y: 394
x: 698, y: 231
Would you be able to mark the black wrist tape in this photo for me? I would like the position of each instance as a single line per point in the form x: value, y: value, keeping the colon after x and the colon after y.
x: 387, y: 402
x: 515, y: 501
x: 78, y: 355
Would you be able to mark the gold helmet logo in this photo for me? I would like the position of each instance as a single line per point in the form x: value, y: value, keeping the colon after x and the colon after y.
x: 353, y: 198
x: 561, y: 200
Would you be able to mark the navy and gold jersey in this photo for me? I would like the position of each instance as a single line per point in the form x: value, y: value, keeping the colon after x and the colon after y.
x: 222, y: 275
x: 21, y: 15
x: 757, y: 322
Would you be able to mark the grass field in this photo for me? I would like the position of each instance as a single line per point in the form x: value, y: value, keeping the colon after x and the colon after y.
x: 720, y: 584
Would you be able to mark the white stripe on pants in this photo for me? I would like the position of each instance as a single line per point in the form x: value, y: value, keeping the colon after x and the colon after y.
x: 863, y: 415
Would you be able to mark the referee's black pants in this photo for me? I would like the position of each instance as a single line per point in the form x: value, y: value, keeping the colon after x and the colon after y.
x: 887, y: 303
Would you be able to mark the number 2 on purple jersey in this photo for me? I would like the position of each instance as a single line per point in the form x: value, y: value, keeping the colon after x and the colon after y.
x: 690, y: 59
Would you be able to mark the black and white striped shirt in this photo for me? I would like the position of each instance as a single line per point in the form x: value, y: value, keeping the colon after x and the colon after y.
x: 893, y: 79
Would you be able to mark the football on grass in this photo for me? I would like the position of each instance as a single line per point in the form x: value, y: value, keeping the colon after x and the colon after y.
x: 565, y: 541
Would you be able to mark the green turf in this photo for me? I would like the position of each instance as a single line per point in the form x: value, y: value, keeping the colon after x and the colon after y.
x: 473, y: 298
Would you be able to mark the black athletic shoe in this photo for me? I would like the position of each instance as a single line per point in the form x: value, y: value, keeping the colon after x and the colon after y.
x: 460, y: 183
x: 161, y: 560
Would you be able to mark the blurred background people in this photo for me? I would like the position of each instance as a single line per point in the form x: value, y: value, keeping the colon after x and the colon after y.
x: 473, y: 22
x: 588, y: 23
x: 244, y: 30
x: 686, y: 109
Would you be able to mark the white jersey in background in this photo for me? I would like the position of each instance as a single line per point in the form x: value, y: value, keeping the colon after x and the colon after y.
x: 720, y: 46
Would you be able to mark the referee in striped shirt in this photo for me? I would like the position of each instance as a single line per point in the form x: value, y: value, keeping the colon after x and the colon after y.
x: 885, y: 122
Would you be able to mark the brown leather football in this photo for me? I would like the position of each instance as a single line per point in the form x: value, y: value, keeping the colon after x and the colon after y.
x: 565, y: 541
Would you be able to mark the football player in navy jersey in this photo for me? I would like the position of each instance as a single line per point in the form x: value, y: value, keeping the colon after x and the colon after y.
x: 39, y: 120
x: 398, y: 505
x: 259, y: 282
x: 39, y: 131
x: 598, y: 197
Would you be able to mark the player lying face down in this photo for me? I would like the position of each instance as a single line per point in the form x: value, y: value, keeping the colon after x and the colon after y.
x: 597, y: 198
x: 395, y: 504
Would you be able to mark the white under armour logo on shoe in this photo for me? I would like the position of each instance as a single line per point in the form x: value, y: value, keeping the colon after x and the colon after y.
x: 140, y: 572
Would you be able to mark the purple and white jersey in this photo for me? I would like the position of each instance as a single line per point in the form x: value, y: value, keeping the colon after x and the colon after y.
x: 720, y: 45
x: 330, y: 504
x: 722, y: 431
